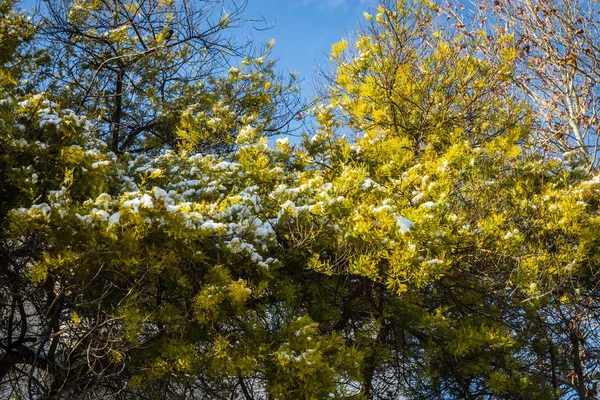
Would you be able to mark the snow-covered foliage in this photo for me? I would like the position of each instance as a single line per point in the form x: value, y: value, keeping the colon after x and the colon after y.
x: 395, y: 249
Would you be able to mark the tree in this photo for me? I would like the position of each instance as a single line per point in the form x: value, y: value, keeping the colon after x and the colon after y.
x: 556, y: 46
x: 412, y: 245
x: 494, y: 271
x: 16, y: 31
x: 75, y: 295
x: 161, y: 274
x: 138, y: 67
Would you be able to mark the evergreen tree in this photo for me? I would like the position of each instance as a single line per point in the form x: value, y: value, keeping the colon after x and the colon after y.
x: 413, y: 245
x: 140, y: 67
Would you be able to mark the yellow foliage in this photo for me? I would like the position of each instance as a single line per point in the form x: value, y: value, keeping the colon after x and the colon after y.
x: 338, y: 48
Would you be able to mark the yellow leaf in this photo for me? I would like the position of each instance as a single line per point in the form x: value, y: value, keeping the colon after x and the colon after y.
x: 75, y: 318
x: 338, y: 48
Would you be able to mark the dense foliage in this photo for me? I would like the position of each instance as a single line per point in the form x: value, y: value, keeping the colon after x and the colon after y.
x: 417, y: 243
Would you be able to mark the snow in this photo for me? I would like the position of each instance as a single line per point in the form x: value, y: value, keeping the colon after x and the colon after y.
x: 159, y: 193
x: 114, y: 219
x: 283, y: 141
x: 100, y: 164
x: 211, y: 225
x: 367, y: 184
x: 428, y: 204
x: 225, y: 165
x: 383, y: 208
x: 417, y: 198
x: 292, y: 209
x: 101, y: 214
x: 43, y: 207
x: 86, y: 219
x: 262, y: 231
x: 404, y: 224
x: 134, y: 204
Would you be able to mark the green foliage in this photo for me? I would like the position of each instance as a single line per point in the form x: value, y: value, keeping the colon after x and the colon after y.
x: 245, y: 99
x: 412, y: 245
x: 14, y: 30
x: 114, y: 58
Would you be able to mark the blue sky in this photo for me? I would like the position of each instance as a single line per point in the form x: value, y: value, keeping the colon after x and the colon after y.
x: 305, y: 29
